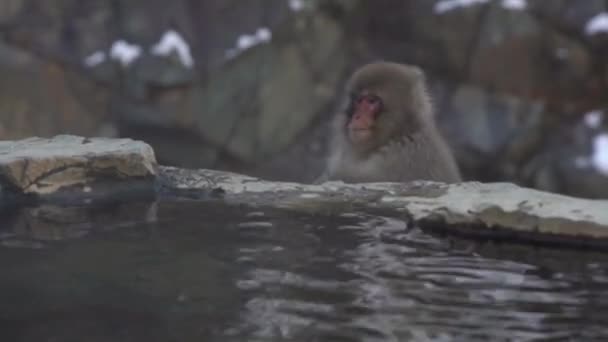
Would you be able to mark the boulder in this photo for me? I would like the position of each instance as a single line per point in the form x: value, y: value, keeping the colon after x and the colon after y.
x: 571, y: 16
x: 42, y: 166
x: 517, y: 39
x: 41, y: 97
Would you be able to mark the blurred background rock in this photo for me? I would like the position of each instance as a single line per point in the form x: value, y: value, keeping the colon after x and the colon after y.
x: 520, y: 87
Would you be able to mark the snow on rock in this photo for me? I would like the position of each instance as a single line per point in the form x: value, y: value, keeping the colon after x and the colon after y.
x: 296, y: 5
x: 597, y: 24
x: 124, y: 52
x: 245, y: 42
x: 449, y: 5
x: 264, y: 34
x: 95, y: 59
x: 444, y: 6
x: 599, y: 158
x: 515, y: 5
x: 170, y: 42
x: 594, y: 118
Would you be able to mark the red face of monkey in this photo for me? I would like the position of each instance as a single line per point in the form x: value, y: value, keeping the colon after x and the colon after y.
x: 363, y: 111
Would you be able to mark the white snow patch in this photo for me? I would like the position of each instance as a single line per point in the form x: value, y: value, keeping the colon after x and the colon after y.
x: 599, y: 158
x: 172, y: 41
x: 245, y: 42
x: 449, y: 5
x: 296, y: 5
x: 124, y: 52
x: 594, y: 118
x: 95, y: 59
x: 515, y: 5
x: 597, y: 24
x: 264, y: 34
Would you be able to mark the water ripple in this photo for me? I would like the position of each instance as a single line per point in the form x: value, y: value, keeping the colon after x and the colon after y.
x: 402, y: 284
x: 205, y: 272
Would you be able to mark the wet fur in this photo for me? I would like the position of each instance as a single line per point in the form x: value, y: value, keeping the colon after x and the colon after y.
x: 408, y: 146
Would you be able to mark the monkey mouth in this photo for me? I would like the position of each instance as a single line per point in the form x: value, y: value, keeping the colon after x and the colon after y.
x: 359, y: 135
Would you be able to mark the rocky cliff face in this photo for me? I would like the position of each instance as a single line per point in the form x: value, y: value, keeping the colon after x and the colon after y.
x: 519, y: 86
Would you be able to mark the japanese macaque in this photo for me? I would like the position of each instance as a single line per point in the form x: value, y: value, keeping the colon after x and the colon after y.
x: 386, y: 131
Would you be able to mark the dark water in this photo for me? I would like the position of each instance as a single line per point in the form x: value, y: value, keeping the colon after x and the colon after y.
x: 208, y: 272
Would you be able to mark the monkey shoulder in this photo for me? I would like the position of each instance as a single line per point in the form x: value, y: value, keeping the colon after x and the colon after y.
x: 420, y: 157
x: 415, y: 157
x: 346, y: 165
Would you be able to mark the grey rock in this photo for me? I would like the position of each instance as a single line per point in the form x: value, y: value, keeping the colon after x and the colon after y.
x: 476, y: 208
x: 567, y: 15
x: 9, y: 10
x: 572, y: 162
x: 492, y: 131
x: 36, y: 226
x: 262, y: 100
x: 44, y: 166
x: 43, y: 98
x: 162, y: 72
x: 516, y: 38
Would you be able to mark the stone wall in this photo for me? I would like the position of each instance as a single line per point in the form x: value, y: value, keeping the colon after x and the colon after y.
x: 519, y: 86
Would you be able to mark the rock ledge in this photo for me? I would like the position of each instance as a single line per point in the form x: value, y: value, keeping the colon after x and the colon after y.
x: 65, y: 162
x: 474, y: 208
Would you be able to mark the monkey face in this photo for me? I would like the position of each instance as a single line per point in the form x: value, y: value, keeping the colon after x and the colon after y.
x: 363, y: 111
x: 387, y: 102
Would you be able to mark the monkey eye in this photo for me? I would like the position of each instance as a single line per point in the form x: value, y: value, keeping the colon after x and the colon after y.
x: 370, y: 100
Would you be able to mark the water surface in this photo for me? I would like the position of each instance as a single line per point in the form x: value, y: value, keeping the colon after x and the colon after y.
x: 203, y: 271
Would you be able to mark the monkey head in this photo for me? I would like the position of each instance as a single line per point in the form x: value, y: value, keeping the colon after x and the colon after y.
x: 385, y: 101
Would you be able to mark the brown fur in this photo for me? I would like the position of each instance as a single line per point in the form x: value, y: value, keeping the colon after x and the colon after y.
x: 406, y: 144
